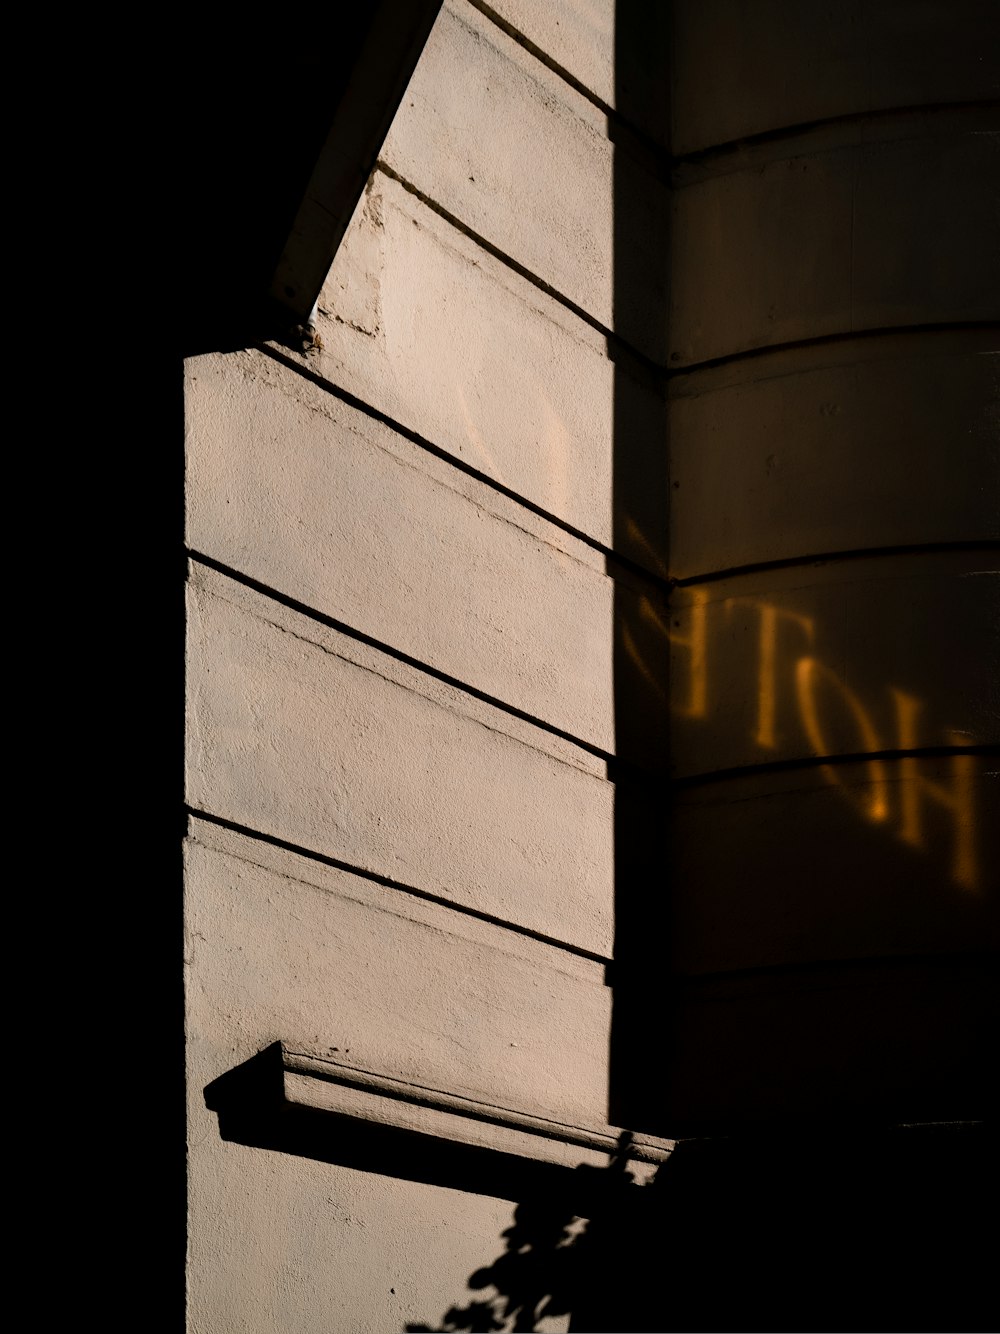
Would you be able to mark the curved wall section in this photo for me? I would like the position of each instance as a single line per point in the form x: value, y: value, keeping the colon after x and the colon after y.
x: 833, y: 443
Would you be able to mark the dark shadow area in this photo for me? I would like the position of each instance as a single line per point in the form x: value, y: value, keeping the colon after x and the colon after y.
x: 114, y: 707
x: 742, y: 1017
x: 238, y: 132
x: 556, y: 1262
x: 796, y: 940
x: 888, y: 1233
x: 125, y: 685
x: 641, y: 614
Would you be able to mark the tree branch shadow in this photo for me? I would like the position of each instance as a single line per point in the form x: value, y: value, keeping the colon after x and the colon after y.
x: 552, y: 1256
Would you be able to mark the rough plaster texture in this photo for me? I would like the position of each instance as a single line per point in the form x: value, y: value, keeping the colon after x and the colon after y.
x: 290, y: 1245
x: 521, y: 159
x: 289, y: 948
x: 303, y: 733
x: 277, y: 944
x: 832, y: 448
x: 308, y: 735
x: 330, y: 507
x: 579, y: 36
x: 525, y: 397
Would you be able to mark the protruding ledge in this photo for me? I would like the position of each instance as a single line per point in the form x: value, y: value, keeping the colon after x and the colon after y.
x: 314, y: 1080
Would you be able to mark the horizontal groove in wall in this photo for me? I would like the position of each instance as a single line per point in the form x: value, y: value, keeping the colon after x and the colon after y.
x: 809, y: 763
x: 615, y: 561
x: 900, y: 962
x: 616, y: 767
x: 787, y: 134
x: 825, y: 340
x: 620, y: 344
x: 341, y: 627
x: 665, y: 162
x: 833, y: 350
x: 621, y: 131
x: 542, y: 56
x: 985, y: 545
x: 412, y: 891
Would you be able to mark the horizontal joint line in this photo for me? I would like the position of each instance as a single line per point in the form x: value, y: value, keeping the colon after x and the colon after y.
x: 614, y: 114
x: 460, y: 465
x: 822, y: 340
x: 375, y: 877
x: 454, y: 221
x: 808, y: 763
x: 697, y: 156
x: 341, y: 627
x: 828, y: 557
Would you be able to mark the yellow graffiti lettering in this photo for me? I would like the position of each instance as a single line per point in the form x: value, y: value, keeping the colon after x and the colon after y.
x: 696, y: 643
x: 638, y: 661
x: 957, y: 798
x: 767, y: 666
x: 875, y: 807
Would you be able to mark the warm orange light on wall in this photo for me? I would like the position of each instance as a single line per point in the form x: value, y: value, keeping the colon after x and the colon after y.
x: 808, y: 670
x: 958, y: 798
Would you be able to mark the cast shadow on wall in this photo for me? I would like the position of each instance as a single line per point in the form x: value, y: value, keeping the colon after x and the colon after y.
x: 550, y: 1258
x: 811, y: 1230
x: 577, y: 1232
x: 771, y: 1236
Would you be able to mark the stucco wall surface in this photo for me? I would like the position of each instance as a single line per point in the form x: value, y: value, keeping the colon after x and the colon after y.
x: 282, y: 945
x: 525, y: 398
x: 400, y: 686
x: 607, y: 577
